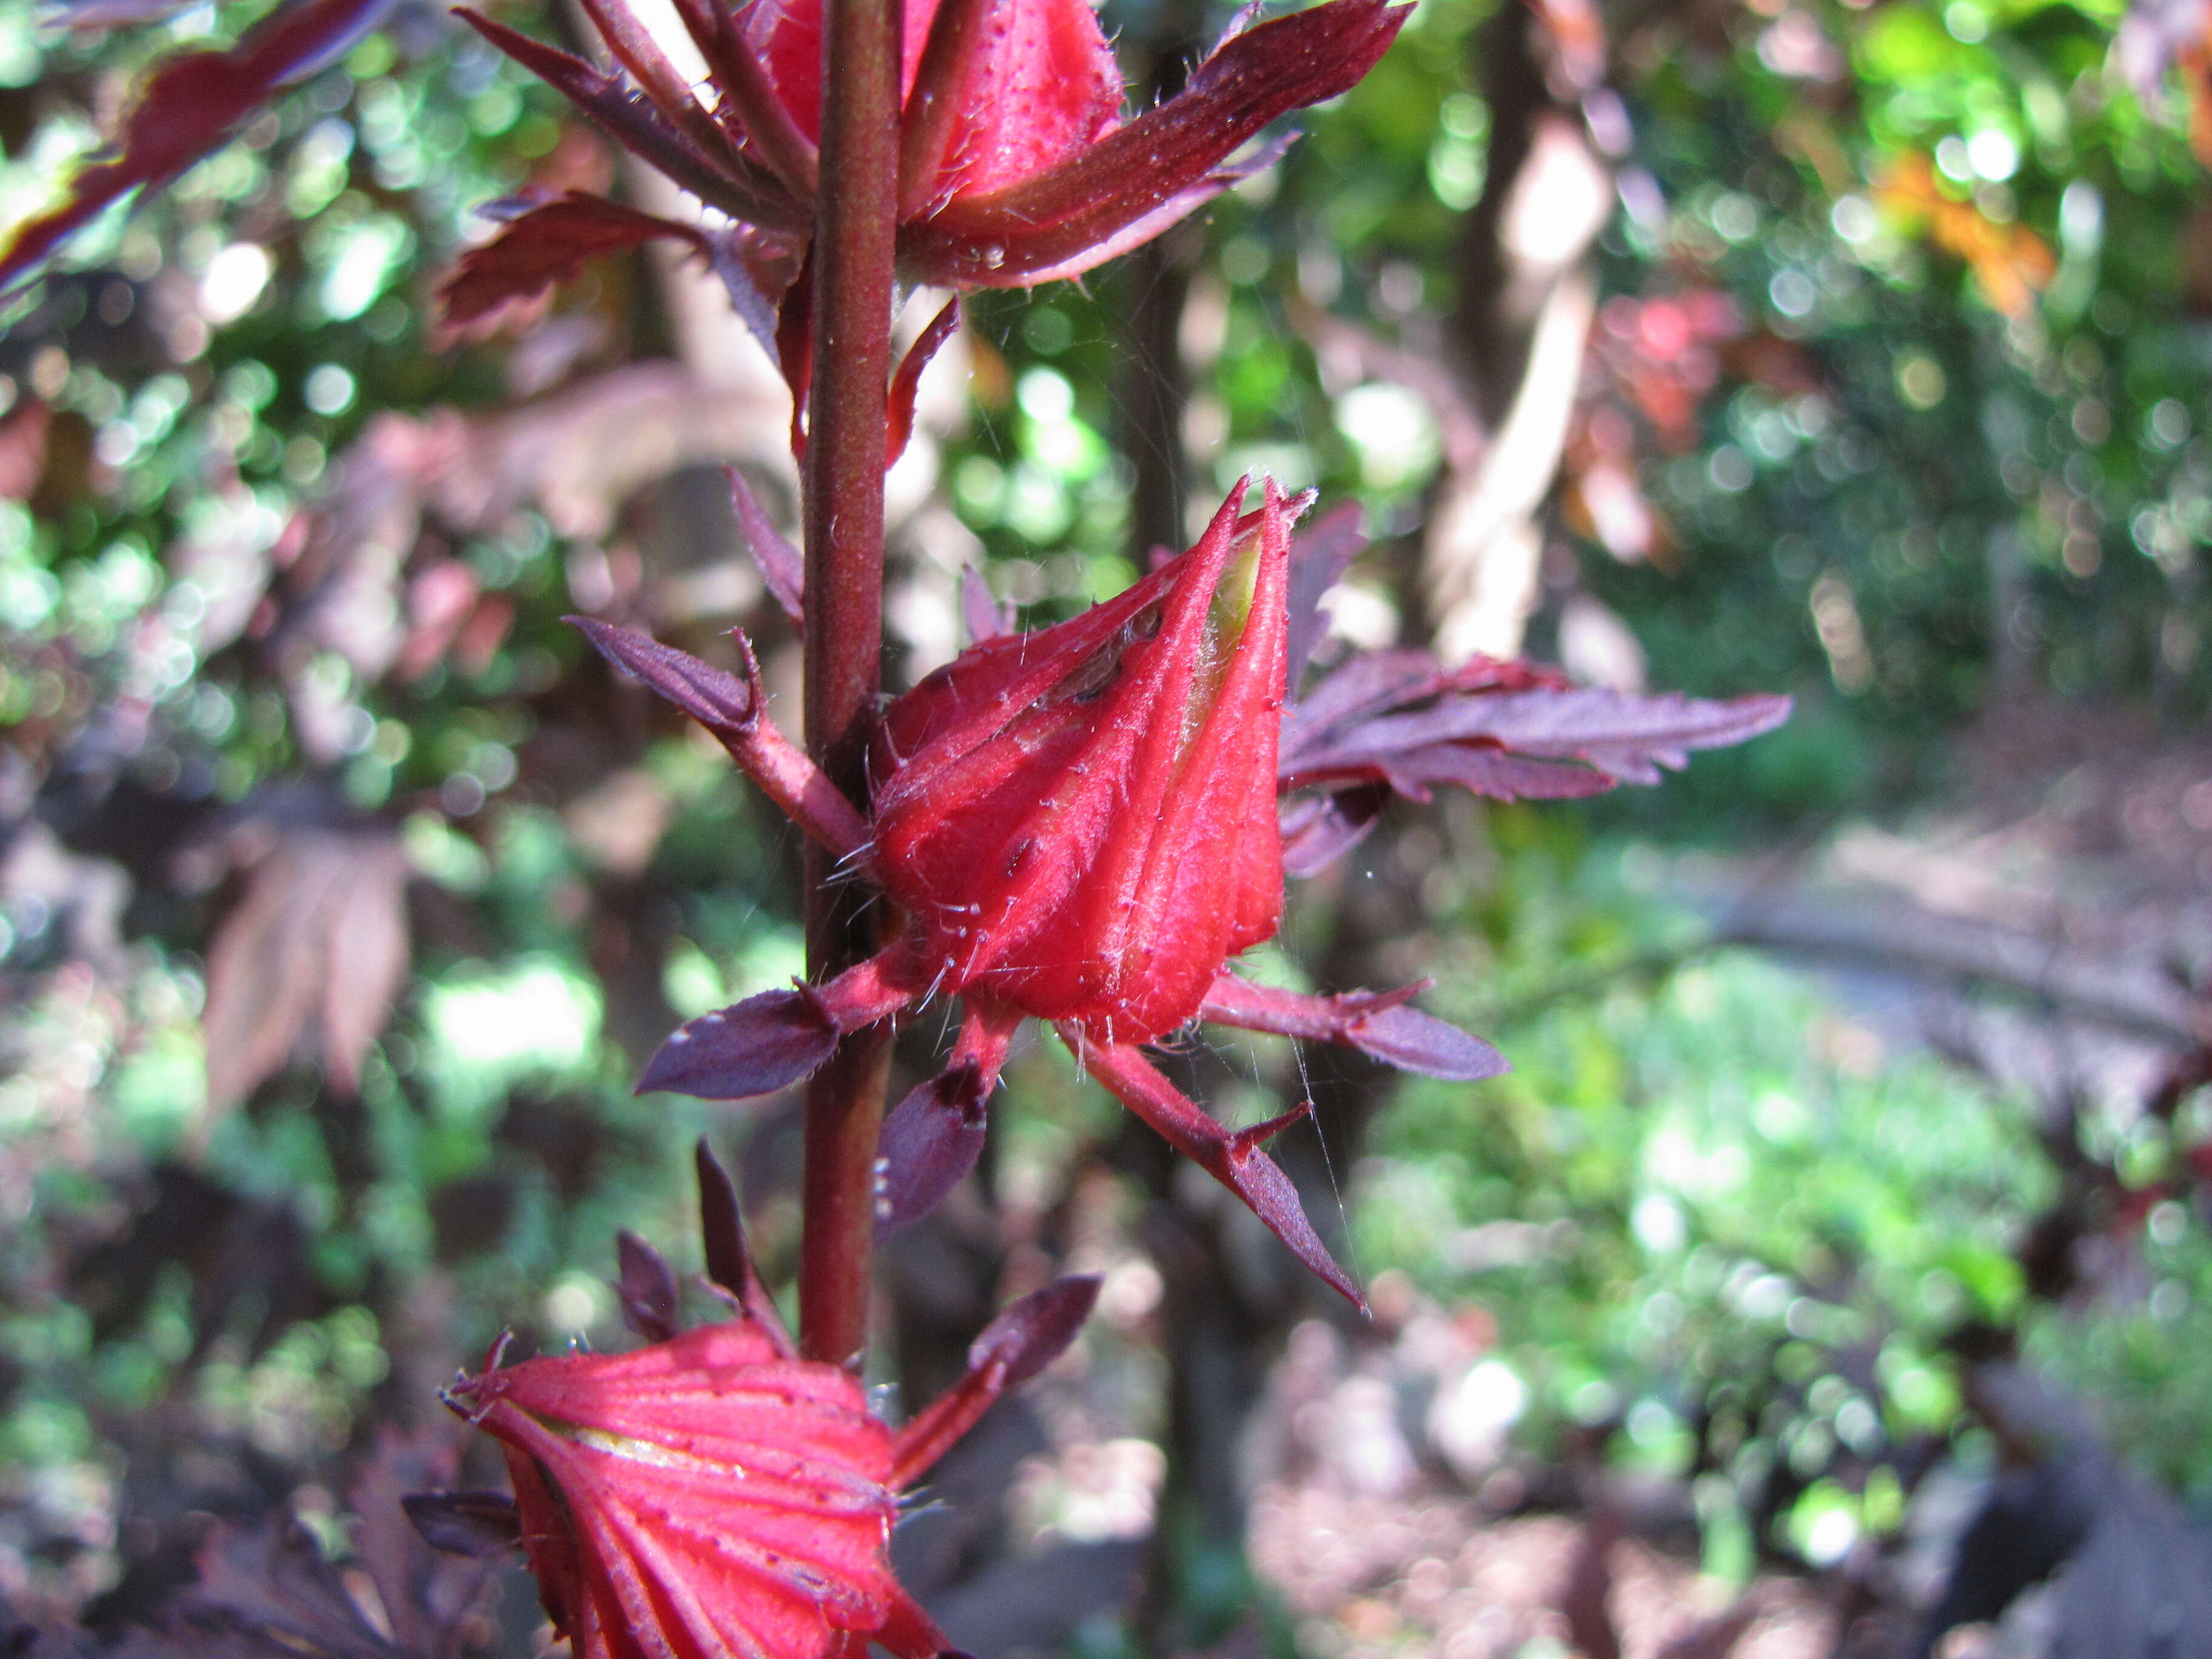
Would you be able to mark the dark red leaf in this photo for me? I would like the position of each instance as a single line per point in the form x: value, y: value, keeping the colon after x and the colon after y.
x: 1507, y: 729
x: 717, y: 701
x: 319, y: 936
x: 189, y: 106
x: 1627, y: 735
x: 273, y: 1582
x: 782, y: 566
x: 768, y: 1042
x: 428, y: 1598
x: 756, y: 1047
x: 729, y: 1261
x: 1032, y: 1333
x: 1585, y: 1599
x: 930, y: 1140
x: 747, y: 103
x: 757, y: 268
x: 647, y: 1287
x: 1383, y: 1024
x: 663, y: 84
x: 1319, y: 558
x: 1017, y: 1346
x: 735, y: 711
x: 724, y: 181
x: 1374, y: 682
x: 1161, y: 165
x: 1491, y: 772
x: 473, y: 1524
x: 548, y: 242
x: 934, y: 1135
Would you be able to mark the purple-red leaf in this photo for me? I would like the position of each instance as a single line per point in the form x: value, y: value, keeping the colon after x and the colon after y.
x: 782, y: 566
x: 756, y: 1047
x: 757, y: 268
x: 1319, y: 558
x: 1413, y: 1041
x: 475, y: 1524
x: 934, y: 1135
x: 1017, y: 1346
x: 724, y: 181
x: 1383, y: 1024
x: 548, y: 242
x: 930, y: 1140
x: 1627, y: 735
x: 647, y: 1287
x: 717, y: 701
x: 734, y: 710
x: 189, y: 106
x: 1319, y: 829
x: 1507, y: 729
x: 748, y: 105
x: 1032, y: 1333
x: 1063, y: 221
x: 729, y: 1260
x: 771, y: 1041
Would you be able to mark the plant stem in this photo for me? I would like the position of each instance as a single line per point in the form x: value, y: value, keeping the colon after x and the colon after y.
x: 855, y: 228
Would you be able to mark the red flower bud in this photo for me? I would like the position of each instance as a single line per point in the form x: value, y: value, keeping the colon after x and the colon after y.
x: 702, y: 1496
x: 1081, y: 823
x: 1015, y: 167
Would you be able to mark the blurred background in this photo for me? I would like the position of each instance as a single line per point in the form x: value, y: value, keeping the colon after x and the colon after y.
x: 1833, y: 1273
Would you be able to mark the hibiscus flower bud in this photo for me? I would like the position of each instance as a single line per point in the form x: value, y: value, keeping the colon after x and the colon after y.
x: 1080, y: 823
x: 705, y: 1496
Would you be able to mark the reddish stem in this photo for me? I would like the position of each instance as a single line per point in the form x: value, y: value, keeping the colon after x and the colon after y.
x: 848, y: 409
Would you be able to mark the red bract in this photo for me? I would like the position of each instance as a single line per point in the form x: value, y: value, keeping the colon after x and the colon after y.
x: 1014, y: 166
x: 702, y: 1496
x: 1086, y: 824
x: 1081, y: 823
x: 711, y: 1494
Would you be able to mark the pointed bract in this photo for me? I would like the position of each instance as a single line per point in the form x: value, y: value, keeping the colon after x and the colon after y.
x: 1017, y: 1346
x: 1383, y: 1024
x: 1232, y: 1156
x: 646, y: 1288
x: 933, y: 1137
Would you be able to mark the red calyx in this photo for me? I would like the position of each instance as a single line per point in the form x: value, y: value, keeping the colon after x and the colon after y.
x: 704, y: 1496
x: 1081, y: 821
